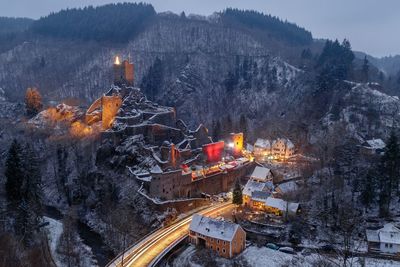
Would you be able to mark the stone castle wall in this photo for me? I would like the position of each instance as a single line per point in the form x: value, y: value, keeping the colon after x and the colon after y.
x: 174, y: 185
x: 110, y: 107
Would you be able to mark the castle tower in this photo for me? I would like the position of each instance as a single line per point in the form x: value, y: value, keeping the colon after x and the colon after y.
x: 123, y: 72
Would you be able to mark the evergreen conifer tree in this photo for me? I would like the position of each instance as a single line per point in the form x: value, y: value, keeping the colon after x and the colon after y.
x: 365, y: 70
x: 237, y: 197
x: 14, y: 173
x: 390, y: 174
x: 368, y: 190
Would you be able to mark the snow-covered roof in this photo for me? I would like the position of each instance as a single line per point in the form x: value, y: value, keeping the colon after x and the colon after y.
x: 249, y: 148
x: 388, y: 234
x: 252, y: 186
x: 222, y: 230
x: 282, y: 205
x: 260, y: 173
x: 277, y: 203
x: 260, y: 196
x: 372, y: 236
x: 288, y: 187
x: 156, y: 169
x: 263, y: 143
x: 289, y: 144
x: 241, y: 160
x: 376, y: 143
x: 293, y: 207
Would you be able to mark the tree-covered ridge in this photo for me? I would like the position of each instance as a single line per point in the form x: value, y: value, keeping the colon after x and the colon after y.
x: 116, y: 22
x: 14, y: 25
x: 280, y: 29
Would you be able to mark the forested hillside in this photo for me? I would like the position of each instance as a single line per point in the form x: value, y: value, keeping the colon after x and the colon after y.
x: 113, y: 22
x: 267, y: 24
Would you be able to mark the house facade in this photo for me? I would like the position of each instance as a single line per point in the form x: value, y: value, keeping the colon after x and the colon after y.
x: 282, y: 148
x: 262, y: 147
x: 385, y: 240
x: 225, y: 238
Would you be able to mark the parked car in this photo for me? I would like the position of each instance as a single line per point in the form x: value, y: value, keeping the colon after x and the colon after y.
x: 272, y: 246
x: 287, y: 250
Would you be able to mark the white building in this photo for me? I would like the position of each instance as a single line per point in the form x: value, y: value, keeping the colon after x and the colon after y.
x: 282, y: 148
x: 262, y: 147
x: 386, y: 239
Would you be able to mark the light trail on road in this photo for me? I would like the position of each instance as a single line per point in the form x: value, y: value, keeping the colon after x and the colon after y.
x: 154, y: 245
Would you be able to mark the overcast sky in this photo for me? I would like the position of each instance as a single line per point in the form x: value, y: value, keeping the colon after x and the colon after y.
x: 372, y: 26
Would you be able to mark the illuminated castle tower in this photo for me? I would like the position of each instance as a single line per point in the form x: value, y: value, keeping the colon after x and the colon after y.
x: 123, y: 72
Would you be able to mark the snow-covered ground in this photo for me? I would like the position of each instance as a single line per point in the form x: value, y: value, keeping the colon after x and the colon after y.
x: 261, y: 256
x: 54, y: 231
x: 255, y: 256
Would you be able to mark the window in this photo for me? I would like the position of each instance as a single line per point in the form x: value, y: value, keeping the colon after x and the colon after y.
x: 390, y: 245
x: 386, y: 245
x: 211, y: 247
x: 217, y: 249
x: 217, y: 241
x: 212, y: 240
x: 223, y: 250
x: 224, y: 242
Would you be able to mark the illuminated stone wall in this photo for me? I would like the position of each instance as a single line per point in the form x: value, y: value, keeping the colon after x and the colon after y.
x: 110, y: 107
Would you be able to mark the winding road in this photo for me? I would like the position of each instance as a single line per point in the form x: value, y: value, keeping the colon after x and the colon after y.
x: 147, y: 251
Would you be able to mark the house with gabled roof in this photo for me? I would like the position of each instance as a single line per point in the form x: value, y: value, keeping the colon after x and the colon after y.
x: 261, y: 174
x: 225, y: 238
x: 386, y: 239
x: 262, y: 147
x: 282, y: 148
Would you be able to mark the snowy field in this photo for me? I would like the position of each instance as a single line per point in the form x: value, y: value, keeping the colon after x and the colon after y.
x: 261, y: 256
x: 268, y: 257
x: 54, y: 231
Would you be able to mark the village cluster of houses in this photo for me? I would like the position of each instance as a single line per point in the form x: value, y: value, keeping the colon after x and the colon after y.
x: 260, y: 193
x: 279, y: 149
x: 228, y: 239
